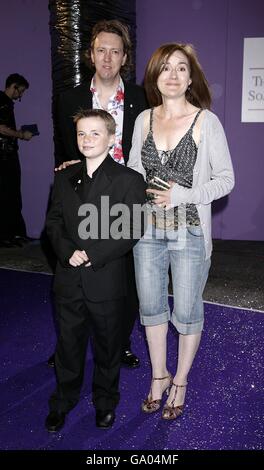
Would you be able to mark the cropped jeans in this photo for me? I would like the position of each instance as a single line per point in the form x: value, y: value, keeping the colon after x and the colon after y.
x: 184, y: 251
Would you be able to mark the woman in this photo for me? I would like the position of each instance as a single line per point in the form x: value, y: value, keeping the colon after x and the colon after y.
x: 180, y: 147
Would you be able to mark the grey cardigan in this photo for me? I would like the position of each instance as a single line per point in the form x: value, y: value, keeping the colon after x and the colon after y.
x: 213, y: 175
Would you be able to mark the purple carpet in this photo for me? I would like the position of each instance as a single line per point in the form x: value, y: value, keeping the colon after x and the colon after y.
x: 224, y: 404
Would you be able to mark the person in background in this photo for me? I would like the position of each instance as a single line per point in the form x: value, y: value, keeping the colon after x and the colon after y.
x: 110, y: 57
x: 13, y: 228
x: 90, y: 279
x: 180, y: 148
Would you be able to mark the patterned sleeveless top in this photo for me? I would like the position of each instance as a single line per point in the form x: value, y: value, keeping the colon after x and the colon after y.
x: 175, y: 165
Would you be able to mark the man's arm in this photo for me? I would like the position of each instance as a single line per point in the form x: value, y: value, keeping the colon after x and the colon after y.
x: 4, y: 130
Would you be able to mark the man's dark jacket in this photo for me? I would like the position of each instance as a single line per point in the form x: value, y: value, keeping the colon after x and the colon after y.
x: 71, y: 101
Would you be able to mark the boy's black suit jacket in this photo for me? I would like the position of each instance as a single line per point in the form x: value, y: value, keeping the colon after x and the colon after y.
x: 106, y: 278
x: 72, y: 100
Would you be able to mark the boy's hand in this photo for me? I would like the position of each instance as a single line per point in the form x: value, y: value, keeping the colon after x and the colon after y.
x: 78, y: 258
x: 64, y: 165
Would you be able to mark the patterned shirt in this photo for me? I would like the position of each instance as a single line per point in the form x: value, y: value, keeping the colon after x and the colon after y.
x: 116, y: 109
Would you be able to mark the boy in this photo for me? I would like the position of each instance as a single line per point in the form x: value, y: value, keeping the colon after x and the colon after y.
x: 90, y: 279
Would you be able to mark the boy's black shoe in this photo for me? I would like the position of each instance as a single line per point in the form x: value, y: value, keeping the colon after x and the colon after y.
x: 128, y: 359
x: 51, y: 361
x: 105, y: 419
x: 55, y: 421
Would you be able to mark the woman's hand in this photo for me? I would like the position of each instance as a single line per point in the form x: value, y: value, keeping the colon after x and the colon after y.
x: 162, y: 198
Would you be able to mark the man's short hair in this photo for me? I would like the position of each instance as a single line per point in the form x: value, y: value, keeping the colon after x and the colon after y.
x: 17, y: 79
x: 97, y: 113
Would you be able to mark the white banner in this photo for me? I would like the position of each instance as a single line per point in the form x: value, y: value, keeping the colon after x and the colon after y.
x: 253, y: 80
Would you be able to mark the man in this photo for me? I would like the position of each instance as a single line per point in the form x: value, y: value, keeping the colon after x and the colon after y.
x: 110, y: 55
x: 90, y: 276
x: 13, y: 229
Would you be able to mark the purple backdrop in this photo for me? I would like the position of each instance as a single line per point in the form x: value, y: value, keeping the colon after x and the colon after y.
x: 216, y: 28
x: 25, y: 48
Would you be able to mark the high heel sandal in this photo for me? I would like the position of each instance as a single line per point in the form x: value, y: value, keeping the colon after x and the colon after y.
x: 170, y: 411
x: 149, y: 405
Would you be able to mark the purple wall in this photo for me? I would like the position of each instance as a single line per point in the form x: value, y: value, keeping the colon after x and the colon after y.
x: 25, y: 48
x: 216, y: 29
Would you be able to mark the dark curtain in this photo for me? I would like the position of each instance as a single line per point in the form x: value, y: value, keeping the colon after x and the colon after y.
x: 71, y: 23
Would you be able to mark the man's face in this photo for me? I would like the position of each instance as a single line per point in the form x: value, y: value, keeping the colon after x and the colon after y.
x: 93, y: 137
x: 17, y: 92
x: 108, y: 55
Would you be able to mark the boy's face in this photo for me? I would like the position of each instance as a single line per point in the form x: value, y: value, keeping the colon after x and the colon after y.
x: 93, y: 138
